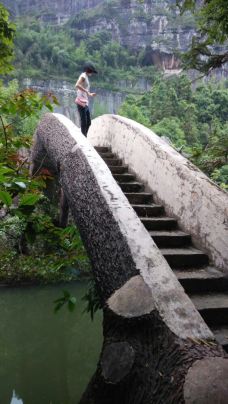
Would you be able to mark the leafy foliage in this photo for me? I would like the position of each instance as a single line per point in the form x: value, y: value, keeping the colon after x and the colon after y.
x: 67, y: 299
x: 62, y: 51
x: 194, y: 121
x: 206, y: 51
x: 92, y: 299
x: 7, y: 32
x: 17, y: 188
x: 32, y: 246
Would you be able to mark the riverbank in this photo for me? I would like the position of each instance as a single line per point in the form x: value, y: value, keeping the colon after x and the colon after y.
x: 22, y: 270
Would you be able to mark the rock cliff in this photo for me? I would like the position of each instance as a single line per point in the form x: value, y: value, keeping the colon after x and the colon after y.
x: 45, y: 7
x: 152, y: 25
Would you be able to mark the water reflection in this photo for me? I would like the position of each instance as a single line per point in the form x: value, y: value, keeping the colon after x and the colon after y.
x: 45, y: 358
x: 15, y: 399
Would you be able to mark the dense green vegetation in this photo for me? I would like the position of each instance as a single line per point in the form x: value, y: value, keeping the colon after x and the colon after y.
x: 209, y: 46
x: 60, y: 53
x: 195, y: 121
x: 7, y: 31
x: 32, y: 245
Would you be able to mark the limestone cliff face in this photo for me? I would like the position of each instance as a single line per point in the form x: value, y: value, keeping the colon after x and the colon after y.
x: 152, y: 25
x: 55, y: 7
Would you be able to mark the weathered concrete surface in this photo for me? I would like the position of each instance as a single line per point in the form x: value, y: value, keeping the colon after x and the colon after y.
x: 118, y: 244
x: 148, y: 319
x: 133, y: 299
x: 199, y: 204
x: 214, y: 372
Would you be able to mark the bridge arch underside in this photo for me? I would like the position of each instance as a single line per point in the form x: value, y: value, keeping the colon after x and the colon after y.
x: 156, y: 346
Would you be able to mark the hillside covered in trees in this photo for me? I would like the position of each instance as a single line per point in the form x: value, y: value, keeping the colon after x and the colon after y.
x: 129, y: 41
x: 194, y: 121
x: 122, y: 37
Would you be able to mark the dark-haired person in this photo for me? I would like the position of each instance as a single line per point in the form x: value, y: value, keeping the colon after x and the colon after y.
x: 83, y: 93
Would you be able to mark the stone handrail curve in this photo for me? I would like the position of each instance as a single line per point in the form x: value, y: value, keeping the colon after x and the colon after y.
x: 83, y: 173
x: 200, y: 206
x: 156, y: 346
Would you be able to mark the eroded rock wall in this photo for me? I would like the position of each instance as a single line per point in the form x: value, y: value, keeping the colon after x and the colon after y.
x: 66, y: 7
x: 152, y: 25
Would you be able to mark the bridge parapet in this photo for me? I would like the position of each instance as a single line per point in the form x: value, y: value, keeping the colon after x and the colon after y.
x: 153, y: 335
x: 200, y: 206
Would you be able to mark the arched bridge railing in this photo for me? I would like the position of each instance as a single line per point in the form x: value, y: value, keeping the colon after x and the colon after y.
x: 187, y: 193
x: 156, y: 346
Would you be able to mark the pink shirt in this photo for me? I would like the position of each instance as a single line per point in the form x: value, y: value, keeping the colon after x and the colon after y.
x: 82, y: 97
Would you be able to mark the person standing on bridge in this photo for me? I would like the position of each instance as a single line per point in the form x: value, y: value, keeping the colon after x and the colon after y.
x: 83, y: 93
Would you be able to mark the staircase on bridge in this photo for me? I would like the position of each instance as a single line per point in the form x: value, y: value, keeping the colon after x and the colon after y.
x: 206, y: 285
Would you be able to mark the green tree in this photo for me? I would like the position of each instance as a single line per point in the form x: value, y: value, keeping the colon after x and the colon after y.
x: 195, y: 120
x: 31, y: 245
x: 208, y: 50
x: 7, y: 33
x: 131, y: 110
x: 171, y: 128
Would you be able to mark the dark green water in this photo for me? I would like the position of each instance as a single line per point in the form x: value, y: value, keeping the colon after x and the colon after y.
x: 45, y: 358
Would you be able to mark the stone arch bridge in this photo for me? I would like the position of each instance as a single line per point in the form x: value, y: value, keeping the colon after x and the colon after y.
x: 155, y: 229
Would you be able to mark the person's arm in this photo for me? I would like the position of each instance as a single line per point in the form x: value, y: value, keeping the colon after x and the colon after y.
x: 80, y: 87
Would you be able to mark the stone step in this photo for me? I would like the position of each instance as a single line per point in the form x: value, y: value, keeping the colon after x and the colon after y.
x: 113, y: 162
x: 102, y: 149
x: 159, y: 223
x: 148, y: 210
x: 131, y: 186
x: 221, y: 335
x: 166, y: 239
x: 118, y: 169
x: 184, y: 257
x: 213, y: 307
x: 208, y: 279
x: 139, y: 197
x: 124, y: 177
x: 206, y: 285
x: 107, y: 155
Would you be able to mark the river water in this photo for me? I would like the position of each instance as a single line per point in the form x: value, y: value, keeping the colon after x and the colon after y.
x: 46, y: 358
